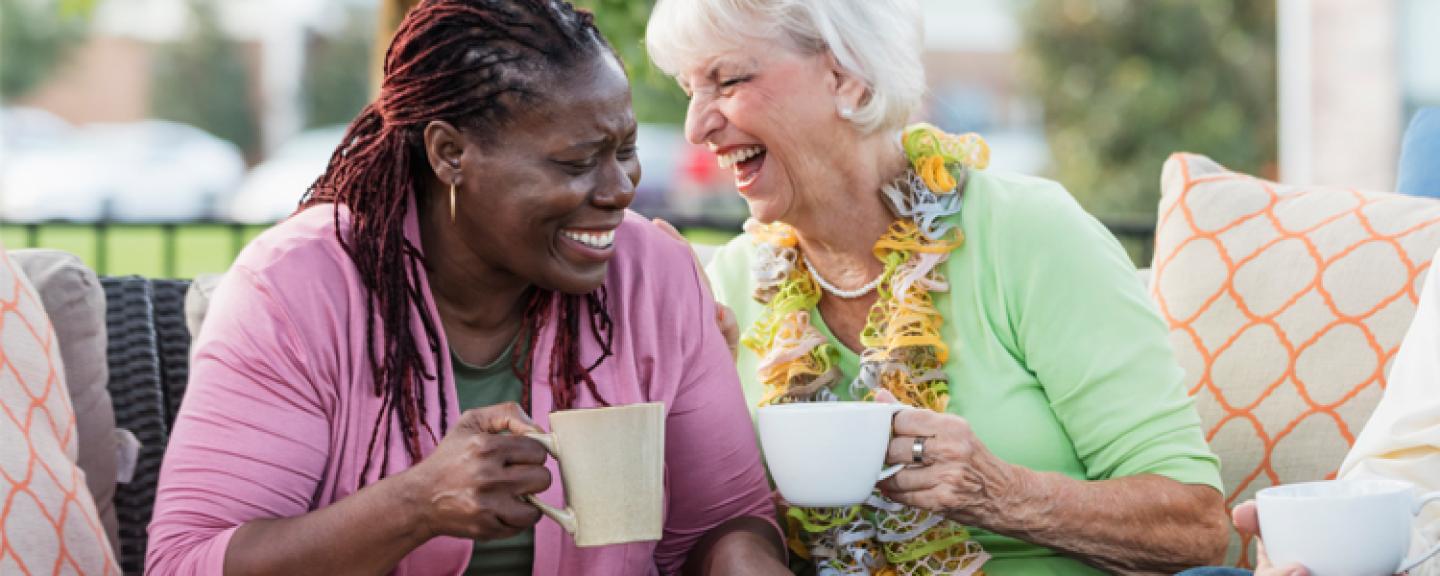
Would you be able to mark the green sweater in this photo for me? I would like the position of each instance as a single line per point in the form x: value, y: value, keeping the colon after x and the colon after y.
x: 1058, y: 359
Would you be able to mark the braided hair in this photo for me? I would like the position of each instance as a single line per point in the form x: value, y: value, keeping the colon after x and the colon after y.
x: 470, y: 63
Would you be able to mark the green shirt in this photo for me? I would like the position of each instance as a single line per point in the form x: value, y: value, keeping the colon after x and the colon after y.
x: 1058, y: 359
x: 477, y: 387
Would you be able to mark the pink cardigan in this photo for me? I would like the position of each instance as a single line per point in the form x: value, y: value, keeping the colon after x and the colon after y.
x: 280, y: 404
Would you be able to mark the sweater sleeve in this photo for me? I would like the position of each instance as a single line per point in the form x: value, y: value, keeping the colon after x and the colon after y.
x: 1085, y: 327
x: 251, y: 440
x: 711, y: 455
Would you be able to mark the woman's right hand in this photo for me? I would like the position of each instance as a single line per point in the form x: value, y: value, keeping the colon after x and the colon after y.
x: 473, y: 485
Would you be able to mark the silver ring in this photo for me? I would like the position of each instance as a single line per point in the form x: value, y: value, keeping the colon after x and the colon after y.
x: 917, y: 450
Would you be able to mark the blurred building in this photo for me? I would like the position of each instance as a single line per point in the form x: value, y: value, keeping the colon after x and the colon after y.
x: 1351, y: 74
x: 972, y: 53
x: 109, y: 78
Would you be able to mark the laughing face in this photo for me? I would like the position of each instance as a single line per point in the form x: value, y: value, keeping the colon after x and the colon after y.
x: 769, y: 114
x: 541, y: 199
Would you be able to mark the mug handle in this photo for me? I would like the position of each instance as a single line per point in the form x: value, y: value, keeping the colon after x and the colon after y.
x: 1411, y: 564
x: 564, y: 517
x: 893, y: 470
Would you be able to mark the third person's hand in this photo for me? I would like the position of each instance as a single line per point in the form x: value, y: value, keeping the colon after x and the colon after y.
x: 1247, y: 521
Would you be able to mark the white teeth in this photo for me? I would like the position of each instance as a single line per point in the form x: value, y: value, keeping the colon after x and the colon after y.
x: 737, y: 156
x: 592, y: 239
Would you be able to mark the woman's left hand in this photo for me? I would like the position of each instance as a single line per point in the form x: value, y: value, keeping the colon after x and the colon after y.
x: 957, y: 475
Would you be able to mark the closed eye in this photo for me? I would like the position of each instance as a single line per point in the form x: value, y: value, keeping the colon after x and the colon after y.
x: 578, y: 166
x: 732, y: 82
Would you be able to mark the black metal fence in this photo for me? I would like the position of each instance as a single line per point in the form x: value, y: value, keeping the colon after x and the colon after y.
x: 1136, y: 233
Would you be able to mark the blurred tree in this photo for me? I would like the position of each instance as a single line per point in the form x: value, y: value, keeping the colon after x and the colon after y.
x: 203, y: 80
x: 35, y: 38
x: 656, y: 97
x: 1124, y: 83
x: 336, y: 84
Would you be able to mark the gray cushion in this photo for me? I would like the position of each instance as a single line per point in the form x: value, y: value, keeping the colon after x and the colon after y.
x: 75, y: 302
x: 197, y: 301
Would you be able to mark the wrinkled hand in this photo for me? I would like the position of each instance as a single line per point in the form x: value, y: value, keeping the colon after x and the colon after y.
x: 1247, y: 521
x: 472, y: 485
x: 724, y: 316
x: 959, y: 476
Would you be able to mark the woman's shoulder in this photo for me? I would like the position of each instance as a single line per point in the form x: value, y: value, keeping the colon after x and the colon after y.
x: 642, y: 247
x: 1017, y: 211
x: 1010, y: 196
x: 650, y: 263
x: 300, y: 263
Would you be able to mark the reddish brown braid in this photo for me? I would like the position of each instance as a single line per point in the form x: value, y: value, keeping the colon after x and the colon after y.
x: 467, y: 62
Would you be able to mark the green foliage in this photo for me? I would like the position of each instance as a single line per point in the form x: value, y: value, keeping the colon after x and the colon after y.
x: 35, y: 38
x: 1124, y: 83
x: 337, y: 72
x: 203, y: 81
x: 657, y: 97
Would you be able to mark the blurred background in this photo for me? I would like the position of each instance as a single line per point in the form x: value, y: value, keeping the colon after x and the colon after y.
x: 156, y: 137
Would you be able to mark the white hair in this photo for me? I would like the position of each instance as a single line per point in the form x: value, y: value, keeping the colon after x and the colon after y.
x: 878, y: 41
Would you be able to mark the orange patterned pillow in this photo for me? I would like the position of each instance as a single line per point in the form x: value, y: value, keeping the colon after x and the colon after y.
x: 1286, y: 305
x: 48, y: 522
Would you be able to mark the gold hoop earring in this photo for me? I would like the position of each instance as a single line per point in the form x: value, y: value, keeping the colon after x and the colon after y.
x: 452, y: 203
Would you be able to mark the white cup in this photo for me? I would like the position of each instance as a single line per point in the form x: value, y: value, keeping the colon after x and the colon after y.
x: 1342, y: 527
x: 827, y: 454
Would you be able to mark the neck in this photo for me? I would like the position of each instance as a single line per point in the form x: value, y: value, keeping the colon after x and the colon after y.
x: 839, y: 237
x: 469, y: 293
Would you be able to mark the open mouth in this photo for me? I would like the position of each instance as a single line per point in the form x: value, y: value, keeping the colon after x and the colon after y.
x: 745, y: 162
x: 595, y: 239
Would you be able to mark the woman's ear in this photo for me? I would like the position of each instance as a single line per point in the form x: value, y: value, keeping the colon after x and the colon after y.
x: 444, y: 147
x: 850, y: 91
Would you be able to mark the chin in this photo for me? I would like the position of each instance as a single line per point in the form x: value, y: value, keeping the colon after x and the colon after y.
x: 764, y: 211
x: 577, y: 282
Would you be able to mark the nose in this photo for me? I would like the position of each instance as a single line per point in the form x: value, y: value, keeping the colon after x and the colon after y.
x: 617, y: 187
x: 702, y: 119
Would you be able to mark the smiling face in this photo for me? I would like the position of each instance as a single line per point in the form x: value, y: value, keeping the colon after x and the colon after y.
x: 540, y: 198
x: 770, y: 113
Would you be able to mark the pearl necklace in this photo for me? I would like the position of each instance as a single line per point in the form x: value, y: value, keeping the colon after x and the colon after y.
x: 838, y: 291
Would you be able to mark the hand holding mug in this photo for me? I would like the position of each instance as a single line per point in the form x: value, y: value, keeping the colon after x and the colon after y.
x: 1248, y: 522
x: 1353, y: 527
x: 472, y: 486
x: 948, y: 469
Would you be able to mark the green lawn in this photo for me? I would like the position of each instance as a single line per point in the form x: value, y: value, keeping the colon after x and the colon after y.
x: 199, y: 248
x: 203, y: 248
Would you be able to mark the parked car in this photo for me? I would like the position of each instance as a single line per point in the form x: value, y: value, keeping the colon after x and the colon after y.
x: 147, y: 171
x: 37, y: 181
x: 273, y: 188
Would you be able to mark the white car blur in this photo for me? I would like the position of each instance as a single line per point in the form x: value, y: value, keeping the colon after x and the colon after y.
x: 146, y: 171
x: 272, y: 190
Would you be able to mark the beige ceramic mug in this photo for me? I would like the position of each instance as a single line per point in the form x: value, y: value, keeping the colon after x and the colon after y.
x: 612, y: 463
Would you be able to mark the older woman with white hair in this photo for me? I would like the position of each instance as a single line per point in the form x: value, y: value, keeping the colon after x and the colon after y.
x: 882, y: 261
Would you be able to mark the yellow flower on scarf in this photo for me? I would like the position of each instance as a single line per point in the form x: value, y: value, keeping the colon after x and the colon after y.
x: 933, y: 171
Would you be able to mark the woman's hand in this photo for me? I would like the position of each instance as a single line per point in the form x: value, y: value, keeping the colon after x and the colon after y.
x: 1247, y: 521
x: 1143, y: 523
x: 724, y: 316
x: 957, y: 476
x: 473, y: 485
